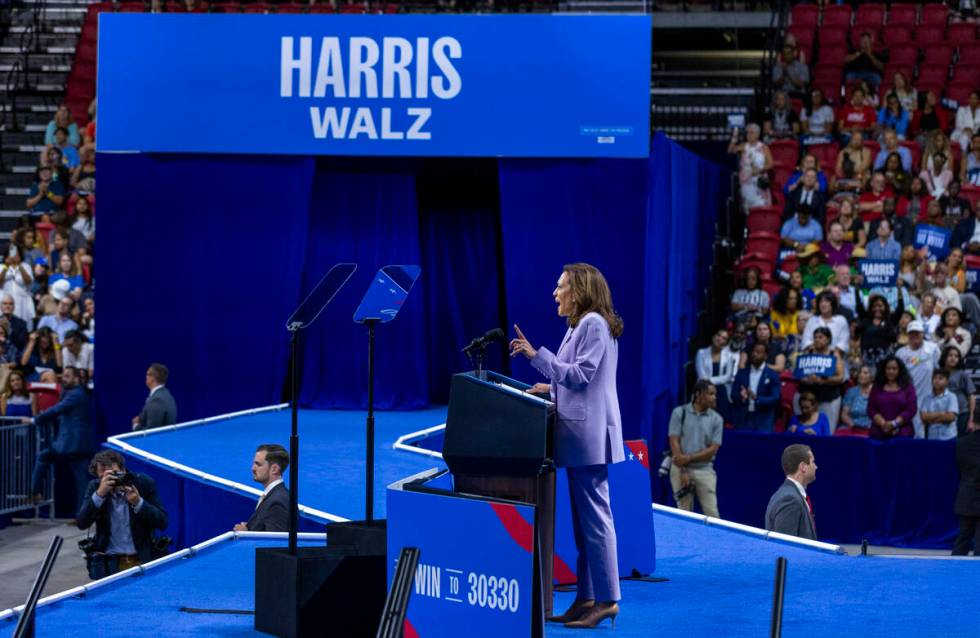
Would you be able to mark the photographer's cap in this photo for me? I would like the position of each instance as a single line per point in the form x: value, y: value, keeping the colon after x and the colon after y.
x: 916, y: 326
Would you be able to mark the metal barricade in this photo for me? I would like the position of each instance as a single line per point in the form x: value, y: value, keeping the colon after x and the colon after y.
x: 20, y: 445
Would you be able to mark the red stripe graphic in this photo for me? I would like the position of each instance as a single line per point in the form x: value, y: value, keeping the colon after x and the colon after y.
x: 639, y: 450
x: 523, y: 534
x: 409, y: 630
x: 563, y: 573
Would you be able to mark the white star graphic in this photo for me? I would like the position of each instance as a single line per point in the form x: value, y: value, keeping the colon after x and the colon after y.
x: 631, y: 456
x: 640, y: 455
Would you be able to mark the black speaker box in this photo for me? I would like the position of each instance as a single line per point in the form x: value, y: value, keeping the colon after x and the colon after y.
x: 366, y: 537
x: 321, y: 591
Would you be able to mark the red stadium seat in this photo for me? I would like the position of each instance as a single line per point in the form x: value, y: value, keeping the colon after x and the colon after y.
x: 972, y: 194
x: 856, y: 33
x: 872, y: 146
x: 226, y: 7
x: 933, y: 74
x: 764, y: 219
x: 832, y: 35
x: 351, y: 8
x: 959, y: 92
x: 927, y: 36
x: 966, y: 73
x: 826, y: 154
x: 832, y: 55
x: 903, y: 15
x: 804, y: 39
x: 291, y: 7
x: 322, y: 8
x: 903, y: 54
x: 257, y: 7
x: 786, y: 152
x: 764, y: 243
x: 804, y: 15
x: 778, y: 199
x: 830, y: 73
x: 131, y: 7
x: 85, y: 51
x: 961, y: 33
x: 391, y: 7
x: 938, y: 53
x: 970, y: 51
x: 838, y: 15
x: 892, y: 36
x: 780, y: 175
x: 765, y: 265
x: 934, y: 14
x: 771, y: 287
x: 871, y: 14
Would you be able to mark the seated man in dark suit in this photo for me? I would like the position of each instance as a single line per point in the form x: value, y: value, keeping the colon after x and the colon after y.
x: 756, y: 391
x: 966, y: 235
x: 272, y: 512
x: 807, y: 195
x: 968, y: 497
x: 18, y: 327
x: 125, y: 509
x: 789, y: 510
x: 160, y: 408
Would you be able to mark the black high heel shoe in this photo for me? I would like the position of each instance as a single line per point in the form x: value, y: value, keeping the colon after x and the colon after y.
x: 595, y: 615
x: 578, y: 609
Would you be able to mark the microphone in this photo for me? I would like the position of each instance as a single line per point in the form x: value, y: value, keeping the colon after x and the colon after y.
x: 496, y: 334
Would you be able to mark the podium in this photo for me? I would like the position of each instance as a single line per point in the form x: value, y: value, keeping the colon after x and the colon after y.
x: 499, y: 444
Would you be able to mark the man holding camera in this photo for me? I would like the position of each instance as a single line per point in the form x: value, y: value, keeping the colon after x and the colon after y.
x: 695, y: 437
x: 125, y: 509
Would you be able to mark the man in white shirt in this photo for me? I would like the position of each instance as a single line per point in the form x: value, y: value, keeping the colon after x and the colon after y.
x: 946, y: 295
x: 846, y: 293
x: 790, y: 510
x: 272, y: 511
x: 920, y: 357
x: 78, y: 354
x: 928, y: 315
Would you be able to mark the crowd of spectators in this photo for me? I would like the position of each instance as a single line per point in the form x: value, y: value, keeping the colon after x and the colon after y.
x: 868, y: 169
x: 47, y: 304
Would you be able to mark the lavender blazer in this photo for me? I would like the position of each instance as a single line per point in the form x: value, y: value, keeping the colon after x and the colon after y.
x: 583, y: 385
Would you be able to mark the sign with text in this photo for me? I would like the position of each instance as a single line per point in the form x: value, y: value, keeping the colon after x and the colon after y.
x: 973, y: 280
x: 821, y: 365
x: 934, y: 238
x: 476, y: 566
x: 878, y: 272
x: 409, y: 85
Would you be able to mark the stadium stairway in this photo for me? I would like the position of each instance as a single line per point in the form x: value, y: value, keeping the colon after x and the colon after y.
x: 35, y: 58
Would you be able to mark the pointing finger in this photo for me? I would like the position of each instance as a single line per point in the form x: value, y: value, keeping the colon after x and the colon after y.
x: 519, y: 333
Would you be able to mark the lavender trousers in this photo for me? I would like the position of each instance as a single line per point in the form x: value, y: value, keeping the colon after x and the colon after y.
x: 595, y: 536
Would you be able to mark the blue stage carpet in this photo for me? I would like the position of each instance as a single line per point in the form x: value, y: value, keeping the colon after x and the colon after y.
x: 332, y: 445
x: 720, y: 585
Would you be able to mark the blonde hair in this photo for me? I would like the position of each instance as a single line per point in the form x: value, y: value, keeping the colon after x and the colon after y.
x: 591, y: 293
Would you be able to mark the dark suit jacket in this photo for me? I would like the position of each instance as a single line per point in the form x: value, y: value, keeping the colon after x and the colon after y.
x: 818, y: 203
x: 902, y: 230
x: 768, y: 394
x: 73, y: 415
x: 150, y: 517
x: 963, y: 232
x: 968, y: 461
x: 18, y: 331
x: 272, y: 514
x: 159, y: 410
x: 788, y: 513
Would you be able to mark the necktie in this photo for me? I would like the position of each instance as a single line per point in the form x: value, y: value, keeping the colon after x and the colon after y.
x: 812, y: 517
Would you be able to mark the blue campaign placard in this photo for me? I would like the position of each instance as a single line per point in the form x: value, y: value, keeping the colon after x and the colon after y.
x: 934, y: 238
x: 476, y: 566
x: 973, y: 280
x: 410, y: 85
x: 822, y: 365
x: 878, y: 272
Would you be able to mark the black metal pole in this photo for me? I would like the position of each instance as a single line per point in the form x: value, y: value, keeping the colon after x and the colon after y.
x: 369, y: 469
x: 776, y: 629
x: 293, y: 444
x: 25, y: 624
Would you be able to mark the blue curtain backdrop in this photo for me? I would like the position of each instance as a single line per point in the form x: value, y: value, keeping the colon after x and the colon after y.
x: 199, y: 259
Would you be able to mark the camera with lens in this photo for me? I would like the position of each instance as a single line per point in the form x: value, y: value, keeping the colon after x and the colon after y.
x: 123, y: 478
x: 684, y: 491
x: 665, y: 464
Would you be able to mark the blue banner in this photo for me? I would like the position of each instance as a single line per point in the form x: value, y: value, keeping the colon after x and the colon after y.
x: 410, y: 85
x: 934, y: 238
x: 878, y: 272
x: 973, y: 280
x: 476, y: 566
x: 822, y: 365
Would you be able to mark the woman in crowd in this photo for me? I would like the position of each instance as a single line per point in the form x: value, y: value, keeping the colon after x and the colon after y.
x: 809, y: 421
x: 892, y: 403
x: 62, y: 119
x: 16, y: 400
x: 32, y: 247
x: 967, y: 121
x: 719, y: 364
x: 970, y: 166
x: 83, y: 175
x: 893, y: 116
x: 854, y: 409
x: 853, y: 165
x: 937, y: 178
x: 9, y: 355
x: 817, y: 120
x: 902, y: 339
x: 828, y: 316
x: 955, y: 268
x: 84, y: 221
x: 755, y: 161
x: 937, y: 143
x: 878, y: 328
x: 908, y: 267
x: 67, y: 270
x: 931, y: 118
x: 850, y: 221
x: 827, y: 390
x: 913, y: 205
x: 42, y: 352
x: 796, y: 283
x: 775, y: 357
x: 17, y: 278
x: 785, y: 308
x: 809, y: 161
x: 952, y: 333
x: 895, y: 175
x: 907, y: 95
x: 749, y: 298
x: 780, y: 121
x: 960, y: 384
x: 793, y: 344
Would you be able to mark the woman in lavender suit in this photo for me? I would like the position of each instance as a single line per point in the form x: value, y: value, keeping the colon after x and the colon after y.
x: 588, y: 435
